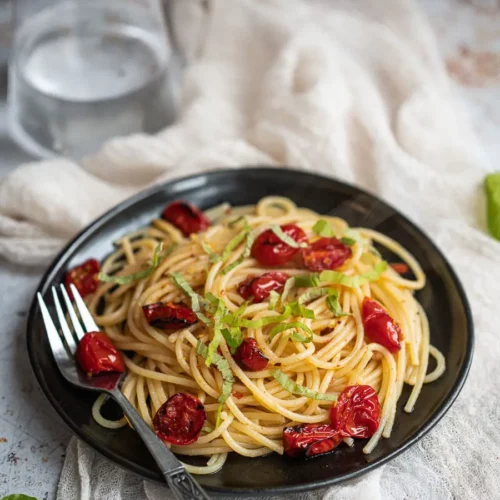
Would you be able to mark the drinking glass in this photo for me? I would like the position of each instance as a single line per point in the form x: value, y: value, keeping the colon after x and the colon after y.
x: 83, y: 71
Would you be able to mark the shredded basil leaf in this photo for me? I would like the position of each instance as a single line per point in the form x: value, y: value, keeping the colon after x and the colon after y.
x: 348, y: 241
x: 323, y: 228
x: 354, y: 281
x: 307, y: 280
x: 314, y: 293
x: 492, y: 188
x: 248, y: 248
x: 196, y: 300
x: 223, y: 366
x: 300, y: 310
x: 285, y: 238
x: 207, y: 428
x: 233, y: 337
x: 18, y: 496
x: 293, y: 324
x: 332, y: 302
x: 289, y: 284
x: 234, y: 243
x: 214, y: 343
x: 212, y: 256
x: 274, y: 297
x: 123, y: 280
x: 294, y: 388
x: 218, y: 419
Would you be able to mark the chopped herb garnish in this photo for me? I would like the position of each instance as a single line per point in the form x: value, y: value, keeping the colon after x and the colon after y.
x: 294, y: 324
x: 248, y: 234
x: 348, y: 241
x: 323, y: 228
x: 492, y: 188
x: 285, y: 238
x: 299, y: 390
x: 212, y: 256
x: 307, y: 280
x: 196, y: 300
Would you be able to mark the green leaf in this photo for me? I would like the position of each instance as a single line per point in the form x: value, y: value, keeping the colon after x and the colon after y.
x: 332, y: 302
x: 354, y: 281
x: 285, y: 238
x: 300, y: 310
x: 293, y: 324
x: 196, y: 300
x: 219, y: 411
x: 123, y: 280
x: 274, y: 297
x: 314, y: 293
x: 18, y: 496
x: 299, y: 390
x: 492, y: 188
x: 234, y: 243
x: 223, y: 366
x: 348, y: 241
x: 233, y: 337
x: 323, y: 228
x: 212, y: 256
x: 214, y: 343
x: 289, y: 284
x: 233, y: 223
x: 307, y: 280
x: 248, y: 248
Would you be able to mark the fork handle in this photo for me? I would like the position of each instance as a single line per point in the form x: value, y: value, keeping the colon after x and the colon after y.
x: 182, y: 484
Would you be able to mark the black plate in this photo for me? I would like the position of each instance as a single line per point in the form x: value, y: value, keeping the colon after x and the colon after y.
x: 443, y: 299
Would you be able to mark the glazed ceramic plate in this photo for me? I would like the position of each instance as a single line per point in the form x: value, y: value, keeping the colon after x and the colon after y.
x: 443, y: 299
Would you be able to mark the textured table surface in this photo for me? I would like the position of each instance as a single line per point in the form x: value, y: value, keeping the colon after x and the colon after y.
x: 33, y: 438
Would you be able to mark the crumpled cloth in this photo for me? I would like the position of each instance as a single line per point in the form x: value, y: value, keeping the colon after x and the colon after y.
x: 352, y: 89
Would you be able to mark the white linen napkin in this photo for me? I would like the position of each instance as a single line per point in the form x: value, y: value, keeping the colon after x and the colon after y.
x: 351, y: 89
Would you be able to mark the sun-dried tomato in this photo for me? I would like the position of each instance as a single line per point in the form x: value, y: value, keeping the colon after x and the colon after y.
x: 308, y: 440
x: 259, y: 287
x: 400, y: 267
x: 180, y: 419
x: 84, y: 277
x: 96, y: 354
x: 270, y: 250
x: 379, y: 326
x: 250, y: 357
x: 186, y: 217
x: 169, y: 315
x: 325, y: 253
x: 357, y: 412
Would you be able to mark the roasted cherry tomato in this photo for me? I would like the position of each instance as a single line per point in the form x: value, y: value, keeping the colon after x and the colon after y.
x: 269, y: 250
x: 357, y: 412
x: 97, y: 354
x: 400, y: 267
x: 259, y: 287
x: 179, y: 420
x: 325, y: 253
x: 309, y: 440
x: 84, y: 277
x: 379, y: 326
x: 169, y: 315
x: 186, y: 217
x: 250, y: 357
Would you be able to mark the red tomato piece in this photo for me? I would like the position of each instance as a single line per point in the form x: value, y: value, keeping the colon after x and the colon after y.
x: 259, y: 287
x: 309, y: 440
x: 325, y: 253
x: 269, y: 250
x: 97, y: 354
x: 169, y: 316
x: 250, y: 357
x: 400, y: 267
x: 84, y: 277
x: 379, y: 326
x: 186, y: 217
x: 357, y: 412
x: 180, y: 419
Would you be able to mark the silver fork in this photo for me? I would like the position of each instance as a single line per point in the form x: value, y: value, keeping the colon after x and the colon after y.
x: 181, y: 483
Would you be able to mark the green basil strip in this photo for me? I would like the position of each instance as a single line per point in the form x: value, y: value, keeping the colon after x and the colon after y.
x: 307, y: 280
x: 123, y: 280
x: 248, y: 248
x: 196, y: 300
x: 223, y: 366
x: 315, y: 293
x: 233, y: 223
x: 274, y: 297
x: 332, y: 302
x: 212, y: 256
x: 299, y: 390
x: 300, y: 310
x: 218, y: 419
x: 492, y: 188
x: 289, y: 284
x: 293, y: 324
x: 323, y: 228
x: 234, y: 243
x: 233, y: 337
x: 214, y: 343
x: 285, y: 238
x: 348, y: 241
x: 354, y: 281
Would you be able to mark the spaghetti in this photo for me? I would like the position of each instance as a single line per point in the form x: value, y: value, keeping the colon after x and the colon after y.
x: 304, y: 325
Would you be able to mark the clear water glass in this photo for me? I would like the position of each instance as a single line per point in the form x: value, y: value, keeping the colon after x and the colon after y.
x: 84, y: 71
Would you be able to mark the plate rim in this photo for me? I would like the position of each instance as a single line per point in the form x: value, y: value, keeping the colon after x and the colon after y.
x: 232, y: 491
